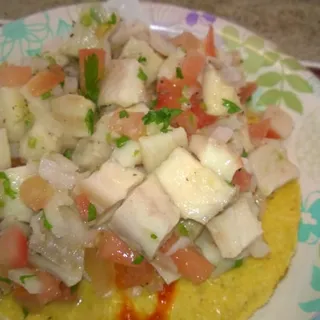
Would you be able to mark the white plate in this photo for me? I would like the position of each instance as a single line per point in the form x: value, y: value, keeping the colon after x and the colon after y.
x: 282, y: 80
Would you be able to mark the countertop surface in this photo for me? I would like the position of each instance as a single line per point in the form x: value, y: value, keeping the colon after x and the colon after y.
x: 294, y: 25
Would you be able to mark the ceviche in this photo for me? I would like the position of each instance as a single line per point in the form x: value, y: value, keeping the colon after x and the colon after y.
x: 131, y: 160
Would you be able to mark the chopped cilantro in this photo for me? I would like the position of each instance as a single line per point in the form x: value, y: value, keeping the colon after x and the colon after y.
x: 89, y: 120
x: 142, y: 59
x: 25, y: 312
x: 184, y: 100
x: 141, y: 75
x: 113, y: 19
x: 244, y: 154
x: 74, y: 288
x: 32, y: 142
x: 123, y: 114
x: 91, y: 77
x: 138, y: 259
x: 179, y: 74
x: 51, y: 60
x: 86, y: 20
x: 109, y: 138
x: 7, y: 186
x: 120, y: 142
x: 46, y: 223
x: 152, y: 103
x: 62, y: 84
x: 68, y: 154
x: 5, y: 280
x: 238, y: 263
x: 136, y: 153
x: 154, y: 236
x: 94, y: 14
x: 203, y: 106
x: 192, y: 119
x: 27, y: 276
x: 92, y: 212
x: 182, y: 229
x: 162, y: 116
x: 28, y: 123
x: 231, y: 106
x: 230, y: 183
x: 46, y: 95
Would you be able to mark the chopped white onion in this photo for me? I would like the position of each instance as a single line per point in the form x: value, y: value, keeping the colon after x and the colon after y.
x: 166, y: 268
x: 27, y: 279
x: 160, y: 44
x: 182, y: 243
x: 259, y: 248
x: 70, y: 85
x: 222, y: 134
x: 59, y: 171
x: 57, y: 91
x: 223, y: 266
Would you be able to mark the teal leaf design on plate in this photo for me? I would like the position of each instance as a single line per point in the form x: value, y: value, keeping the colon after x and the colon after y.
x: 254, y: 43
x: 33, y: 52
x: 315, y: 282
x: 253, y: 62
x: 292, y: 101
x: 271, y: 96
x: 292, y: 64
x: 270, y: 58
x: 310, y: 306
x: 269, y: 79
x: 64, y: 28
x: 298, y: 83
x: 231, y: 37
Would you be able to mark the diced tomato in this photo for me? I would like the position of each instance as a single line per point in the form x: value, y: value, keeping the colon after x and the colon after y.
x: 247, y: 91
x: 33, y: 302
x: 13, y: 248
x: 82, y: 204
x: 242, y: 179
x: 272, y: 134
x: 83, y: 55
x: 132, y: 126
x: 187, y: 41
x: 46, y: 80
x: 112, y: 248
x: 209, y: 44
x: 67, y: 294
x: 169, y: 243
x: 258, y: 131
x: 14, y: 76
x: 169, y: 94
x: 129, y: 276
x: 192, y: 265
x: 187, y: 120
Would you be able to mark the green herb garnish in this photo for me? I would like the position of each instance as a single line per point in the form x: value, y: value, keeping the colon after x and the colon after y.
x: 179, y: 74
x: 89, y: 120
x: 7, y: 186
x: 138, y: 259
x: 184, y: 100
x: 25, y: 312
x: 113, y: 19
x: 27, y: 276
x: 142, y: 59
x: 68, y: 154
x: 62, y: 84
x: 162, y: 116
x: 46, y: 223
x: 123, y: 114
x: 74, y: 288
x: 238, y: 263
x: 91, y: 77
x: 154, y: 236
x: 46, y: 95
x: 231, y: 106
x: 86, y: 20
x: 95, y: 15
x: 244, y: 154
x: 182, y: 229
x: 141, y: 75
x: 120, y: 142
x: 92, y: 212
x: 109, y: 138
x: 32, y: 142
x: 136, y: 153
x: 51, y: 60
x: 152, y: 103
x: 5, y: 280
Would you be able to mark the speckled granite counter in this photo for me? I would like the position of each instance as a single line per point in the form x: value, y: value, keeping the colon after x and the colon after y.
x: 293, y: 24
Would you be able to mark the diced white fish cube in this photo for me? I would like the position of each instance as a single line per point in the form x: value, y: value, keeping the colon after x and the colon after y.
x: 281, y: 122
x: 271, y: 168
x: 215, y: 90
x: 169, y: 66
x: 198, y: 192
x: 135, y: 49
x: 235, y: 228
x: 215, y: 156
x: 110, y: 184
x: 123, y: 86
x: 146, y: 217
x: 5, y: 157
x: 222, y: 134
x: 129, y: 155
x: 156, y: 148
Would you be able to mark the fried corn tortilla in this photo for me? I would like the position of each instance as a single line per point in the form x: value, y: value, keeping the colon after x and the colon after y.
x: 235, y: 295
